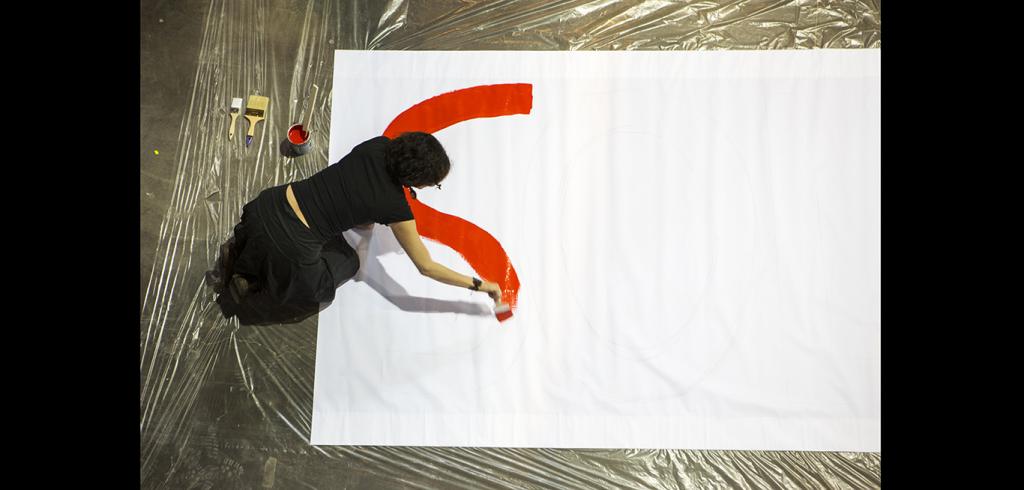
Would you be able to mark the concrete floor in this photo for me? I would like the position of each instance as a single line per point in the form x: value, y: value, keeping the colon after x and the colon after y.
x: 169, y: 57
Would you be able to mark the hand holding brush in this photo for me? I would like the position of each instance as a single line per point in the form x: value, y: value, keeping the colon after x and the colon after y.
x: 501, y: 310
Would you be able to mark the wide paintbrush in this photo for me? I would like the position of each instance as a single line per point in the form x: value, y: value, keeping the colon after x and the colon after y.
x: 255, y: 110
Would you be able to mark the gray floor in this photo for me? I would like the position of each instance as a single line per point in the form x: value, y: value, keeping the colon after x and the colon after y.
x: 169, y: 57
x: 228, y: 407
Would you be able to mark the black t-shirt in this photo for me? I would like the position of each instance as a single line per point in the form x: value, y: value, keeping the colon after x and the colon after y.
x: 354, y: 191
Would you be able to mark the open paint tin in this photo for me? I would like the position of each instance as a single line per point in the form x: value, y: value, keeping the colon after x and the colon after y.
x: 298, y: 141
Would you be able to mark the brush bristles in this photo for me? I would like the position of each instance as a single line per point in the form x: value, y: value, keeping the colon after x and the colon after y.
x: 257, y: 103
x: 503, y: 312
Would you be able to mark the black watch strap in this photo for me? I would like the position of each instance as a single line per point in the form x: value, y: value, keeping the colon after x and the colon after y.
x: 476, y: 284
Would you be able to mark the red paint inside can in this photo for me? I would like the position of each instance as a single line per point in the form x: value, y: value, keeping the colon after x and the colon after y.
x: 296, y: 135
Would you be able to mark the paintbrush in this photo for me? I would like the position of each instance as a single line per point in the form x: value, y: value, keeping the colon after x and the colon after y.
x: 236, y: 105
x: 503, y: 312
x: 254, y: 112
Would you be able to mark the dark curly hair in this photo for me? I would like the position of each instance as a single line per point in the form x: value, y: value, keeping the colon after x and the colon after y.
x: 417, y: 159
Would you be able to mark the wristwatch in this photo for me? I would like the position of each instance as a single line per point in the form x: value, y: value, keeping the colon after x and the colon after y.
x: 476, y: 284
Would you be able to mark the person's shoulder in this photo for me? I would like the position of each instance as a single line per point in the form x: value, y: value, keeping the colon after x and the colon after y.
x: 372, y: 144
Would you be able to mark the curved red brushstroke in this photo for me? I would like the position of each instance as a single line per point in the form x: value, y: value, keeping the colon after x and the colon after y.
x: 437, y: 113
x: 481, y: 250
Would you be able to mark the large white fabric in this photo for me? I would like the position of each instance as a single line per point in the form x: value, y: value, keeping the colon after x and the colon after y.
x: 697, y: 236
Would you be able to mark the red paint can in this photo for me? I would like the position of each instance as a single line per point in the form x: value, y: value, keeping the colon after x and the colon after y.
x: 298, y: 140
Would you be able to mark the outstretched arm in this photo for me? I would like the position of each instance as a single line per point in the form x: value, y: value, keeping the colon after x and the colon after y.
x: 409, y: 238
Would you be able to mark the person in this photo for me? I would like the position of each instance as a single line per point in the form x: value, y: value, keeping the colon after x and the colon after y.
x: 287, y: 254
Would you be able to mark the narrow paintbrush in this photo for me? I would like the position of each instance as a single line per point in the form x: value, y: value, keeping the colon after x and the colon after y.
x: 254, y: 113
x: 236, y: 105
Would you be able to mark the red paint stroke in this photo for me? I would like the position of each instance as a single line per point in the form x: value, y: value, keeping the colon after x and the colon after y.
x: 481, y: 250
x: 439, y: 112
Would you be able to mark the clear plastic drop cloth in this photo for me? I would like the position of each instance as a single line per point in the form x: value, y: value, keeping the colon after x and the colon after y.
x: 229, y: 406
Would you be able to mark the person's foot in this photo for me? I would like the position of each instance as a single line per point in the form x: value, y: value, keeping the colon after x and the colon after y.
x: 227, y: 257
x: 215, y: 280
x: 240, y: 287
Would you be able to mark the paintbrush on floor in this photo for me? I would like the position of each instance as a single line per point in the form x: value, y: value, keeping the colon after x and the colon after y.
x: 236, y: 105
x: 254, y: 113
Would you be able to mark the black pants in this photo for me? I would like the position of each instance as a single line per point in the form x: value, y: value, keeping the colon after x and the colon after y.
x: 292, y: 270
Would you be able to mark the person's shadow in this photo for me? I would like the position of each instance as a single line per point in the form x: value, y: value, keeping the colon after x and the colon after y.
x: 370, y: 245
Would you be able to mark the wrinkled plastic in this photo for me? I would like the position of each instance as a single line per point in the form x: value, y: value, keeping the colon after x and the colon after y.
x: 224, y: 406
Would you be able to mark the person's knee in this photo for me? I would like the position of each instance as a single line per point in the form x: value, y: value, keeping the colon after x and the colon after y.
x: 348, y: 270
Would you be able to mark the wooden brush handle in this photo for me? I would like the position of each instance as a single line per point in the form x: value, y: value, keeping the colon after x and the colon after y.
x: 234, y: 122
x: 252, y: 124
x: 309, y: 111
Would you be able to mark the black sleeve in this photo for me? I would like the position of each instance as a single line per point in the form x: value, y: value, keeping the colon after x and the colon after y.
x: 398, y: 211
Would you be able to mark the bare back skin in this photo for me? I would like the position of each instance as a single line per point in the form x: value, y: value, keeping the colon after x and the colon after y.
x: 295, y: 205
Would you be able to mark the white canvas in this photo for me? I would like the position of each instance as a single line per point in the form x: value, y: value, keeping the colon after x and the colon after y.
x: 697, y: 238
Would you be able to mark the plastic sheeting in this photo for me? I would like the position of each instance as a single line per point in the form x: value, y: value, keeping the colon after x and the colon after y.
x: 224, y: 406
